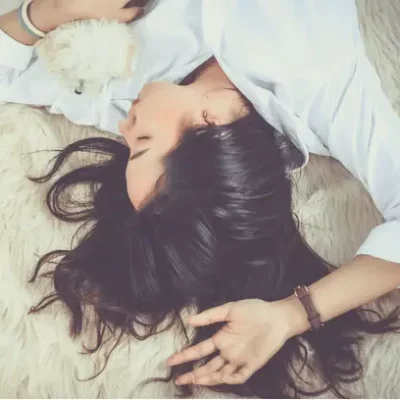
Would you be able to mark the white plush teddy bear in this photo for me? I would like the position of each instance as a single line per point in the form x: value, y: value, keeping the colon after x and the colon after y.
x: 87, y: 55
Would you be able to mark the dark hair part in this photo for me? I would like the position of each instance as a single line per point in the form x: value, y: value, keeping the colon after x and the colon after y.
x: 219, y: 229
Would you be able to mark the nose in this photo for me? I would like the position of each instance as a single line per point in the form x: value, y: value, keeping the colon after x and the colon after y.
x: 125, y: 126
x: 79, y: 89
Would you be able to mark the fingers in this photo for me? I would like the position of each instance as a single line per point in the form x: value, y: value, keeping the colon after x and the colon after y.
x: 211, y: 316
x: 129, y: 14
x: 208, y: 369
x: 240, y: 376
x: 135, y: 3
x: 225, y: 372
x: 228, y: 375
x: 193, y: 353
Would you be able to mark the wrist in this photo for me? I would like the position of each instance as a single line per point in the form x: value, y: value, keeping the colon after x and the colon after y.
x: 47, y: 15
x: 297, y: 319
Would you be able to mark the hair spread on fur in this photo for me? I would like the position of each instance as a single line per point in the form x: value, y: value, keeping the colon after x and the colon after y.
x: 219, y: 229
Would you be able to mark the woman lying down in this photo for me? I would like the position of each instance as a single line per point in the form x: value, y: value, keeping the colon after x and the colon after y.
x: 194, y: 209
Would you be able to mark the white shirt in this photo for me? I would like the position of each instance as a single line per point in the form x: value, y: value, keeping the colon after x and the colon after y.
x: 300, y: 62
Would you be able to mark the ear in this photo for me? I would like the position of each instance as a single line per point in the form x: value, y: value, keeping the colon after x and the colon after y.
x: 211, y: 119
x: 44, y: 47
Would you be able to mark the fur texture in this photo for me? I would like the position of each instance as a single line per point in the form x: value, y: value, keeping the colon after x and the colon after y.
x: 38, y: 357
x: 88, y: 55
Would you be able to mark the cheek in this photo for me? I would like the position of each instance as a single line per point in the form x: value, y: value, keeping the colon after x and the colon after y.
x: 141, y: 178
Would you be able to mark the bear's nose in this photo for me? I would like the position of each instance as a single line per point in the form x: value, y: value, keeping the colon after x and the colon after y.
x: 79, y: 89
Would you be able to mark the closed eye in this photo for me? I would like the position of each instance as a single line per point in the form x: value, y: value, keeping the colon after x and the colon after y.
x: 144, y: 137
x: 138, y: 154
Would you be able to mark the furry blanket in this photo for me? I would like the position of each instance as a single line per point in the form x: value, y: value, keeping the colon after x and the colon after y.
x: 38, y: 358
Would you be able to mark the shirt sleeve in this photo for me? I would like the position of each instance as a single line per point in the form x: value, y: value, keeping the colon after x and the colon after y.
x: 307, y: 74
x: 365, y: 136
x: 25, y: 79
x: 329, y: 85
x: 14, y: 59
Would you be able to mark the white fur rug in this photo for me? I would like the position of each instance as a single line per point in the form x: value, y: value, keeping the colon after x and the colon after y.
x: 38, y: 359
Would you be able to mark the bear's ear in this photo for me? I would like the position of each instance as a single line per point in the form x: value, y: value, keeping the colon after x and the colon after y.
x: 47, y: 50
x: 44, y: 46
x: 56, y: 55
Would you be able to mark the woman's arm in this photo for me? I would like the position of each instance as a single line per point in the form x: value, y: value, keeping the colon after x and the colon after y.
x: 353, y: 285
x: 17, y: 50
x: 25, y: 80
x: 256, y: 330
x: 352, y: 117
x: 45, y: 15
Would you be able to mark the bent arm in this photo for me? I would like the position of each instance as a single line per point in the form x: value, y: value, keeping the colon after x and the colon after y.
x: 365, y: 136
x: 363, y: 280
x: 43, y: 15
x: 16, y: 44
x: 24, y: 79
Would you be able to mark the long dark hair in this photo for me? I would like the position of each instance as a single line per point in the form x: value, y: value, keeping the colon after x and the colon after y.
x: 220, y: 228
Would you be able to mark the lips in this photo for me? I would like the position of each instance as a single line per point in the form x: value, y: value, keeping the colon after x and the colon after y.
x: 135, y: 102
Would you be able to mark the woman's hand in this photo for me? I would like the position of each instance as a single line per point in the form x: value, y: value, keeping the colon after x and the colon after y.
x: 121, y: 10
x: 47, y: 15
x: 70, y: 10
x: 254, y: 332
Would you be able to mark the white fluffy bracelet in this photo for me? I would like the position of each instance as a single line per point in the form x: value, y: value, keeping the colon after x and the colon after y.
x: 26, y: 22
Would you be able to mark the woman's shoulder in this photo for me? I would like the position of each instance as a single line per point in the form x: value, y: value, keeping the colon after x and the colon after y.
x: 288, y: 38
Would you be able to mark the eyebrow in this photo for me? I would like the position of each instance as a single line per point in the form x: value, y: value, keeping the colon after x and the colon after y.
x: 138, y: 154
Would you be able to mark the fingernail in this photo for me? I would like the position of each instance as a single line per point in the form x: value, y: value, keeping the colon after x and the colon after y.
x: 178, y: 382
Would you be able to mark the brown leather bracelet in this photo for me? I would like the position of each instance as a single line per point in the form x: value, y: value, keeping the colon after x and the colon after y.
x: 303, y: 294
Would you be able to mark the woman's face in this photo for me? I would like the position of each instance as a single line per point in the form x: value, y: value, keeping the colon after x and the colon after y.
x: 158, y: 119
